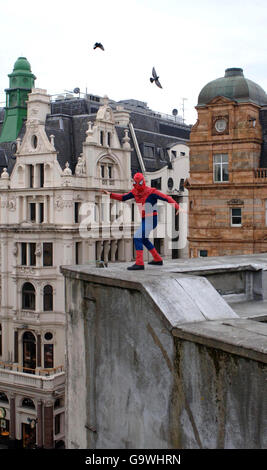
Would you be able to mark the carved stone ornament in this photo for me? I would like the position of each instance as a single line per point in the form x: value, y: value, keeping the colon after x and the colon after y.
x: 12, y: 205
x: 80, y: 167
x: 235, y: 202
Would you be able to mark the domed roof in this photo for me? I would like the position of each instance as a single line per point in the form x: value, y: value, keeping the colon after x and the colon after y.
x: 234, y: 86
x: 22, y: 65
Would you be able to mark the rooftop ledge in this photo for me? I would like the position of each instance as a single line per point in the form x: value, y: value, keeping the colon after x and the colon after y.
x: 216, y: 301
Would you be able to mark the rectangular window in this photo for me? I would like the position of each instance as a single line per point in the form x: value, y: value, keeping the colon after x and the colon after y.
x: 47, y: 254
x: 31, y: 174
x: 156, y: 183
x: 41, y: 212
x: 78, y: 247
x: 41, y: 175
x: 24, y: 254
x: 32, y: 212
x: 76, y: 212
x: 102, y: 171
x: 48, y: 356
x: 149, y: 151
x: 110, y: 171
x: 236, y: 217
x: 220, y: 168
x: 203, y: 253
x: 57, y: 424
x: 32, y: 254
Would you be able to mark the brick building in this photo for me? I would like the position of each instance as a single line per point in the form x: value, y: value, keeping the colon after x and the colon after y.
x: 228, y: 169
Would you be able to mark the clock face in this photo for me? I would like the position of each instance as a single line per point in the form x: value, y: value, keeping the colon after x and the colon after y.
x: 2, y: 412
x: 220, y: 125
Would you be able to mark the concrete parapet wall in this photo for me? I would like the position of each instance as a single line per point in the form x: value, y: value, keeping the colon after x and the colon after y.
x: 160, y: 362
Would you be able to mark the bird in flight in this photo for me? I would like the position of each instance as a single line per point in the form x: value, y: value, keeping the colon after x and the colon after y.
x: 98, y: 44
x: 155, y: 78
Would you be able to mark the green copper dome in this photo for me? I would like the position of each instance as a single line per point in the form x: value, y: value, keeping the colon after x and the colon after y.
x: 22, y: 65
x: 233, y: 86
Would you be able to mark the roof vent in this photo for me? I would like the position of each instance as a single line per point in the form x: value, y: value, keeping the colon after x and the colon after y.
x: 234, y: 72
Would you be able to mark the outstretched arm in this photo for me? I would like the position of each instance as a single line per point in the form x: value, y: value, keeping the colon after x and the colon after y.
x: 118, y: 197
x: 169, y: 199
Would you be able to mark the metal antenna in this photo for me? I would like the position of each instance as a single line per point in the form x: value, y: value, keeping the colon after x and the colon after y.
x: 183, y: 99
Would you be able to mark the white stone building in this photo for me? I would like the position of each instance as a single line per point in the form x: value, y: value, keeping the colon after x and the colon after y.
x: 50, y: 217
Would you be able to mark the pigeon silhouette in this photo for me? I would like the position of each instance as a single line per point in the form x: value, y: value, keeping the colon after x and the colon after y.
x: 98, y: 44
x: 155, y: 78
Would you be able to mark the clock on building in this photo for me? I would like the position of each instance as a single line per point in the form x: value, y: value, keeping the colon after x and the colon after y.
x: 220, y: 125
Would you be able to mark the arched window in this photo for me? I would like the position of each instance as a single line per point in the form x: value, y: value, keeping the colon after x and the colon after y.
x: 3, y: 397
x: 48, y: 298
x: 109, y: 139
x: 102, y: 137
x: 28, y: 296
x: 28, y: 403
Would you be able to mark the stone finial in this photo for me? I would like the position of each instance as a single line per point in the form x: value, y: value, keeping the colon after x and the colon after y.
x: 67, y: 171
x: 18, y: 140
x: 126, y: 139
x: 4, y: 174
x: 52, y: 140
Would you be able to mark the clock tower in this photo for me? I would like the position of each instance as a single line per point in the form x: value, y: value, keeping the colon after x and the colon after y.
x: 21, y: 81
x: 228, y: 186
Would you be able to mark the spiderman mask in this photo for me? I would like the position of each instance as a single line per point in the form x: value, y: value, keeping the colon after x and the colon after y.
x: 139, y: 183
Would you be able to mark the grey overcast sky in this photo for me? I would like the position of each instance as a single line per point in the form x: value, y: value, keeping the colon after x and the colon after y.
x: 189, y: 42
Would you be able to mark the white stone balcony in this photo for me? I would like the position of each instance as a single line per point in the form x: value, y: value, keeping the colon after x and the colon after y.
x: 43, y: 379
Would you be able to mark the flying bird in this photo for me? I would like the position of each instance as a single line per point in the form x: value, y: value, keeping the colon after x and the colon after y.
x: 155, y: 78
x: 98, y: 44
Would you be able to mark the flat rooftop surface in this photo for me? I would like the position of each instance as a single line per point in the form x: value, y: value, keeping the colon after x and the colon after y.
x: 193, y: 308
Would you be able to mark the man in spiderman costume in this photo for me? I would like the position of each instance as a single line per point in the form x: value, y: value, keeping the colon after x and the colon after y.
x: 146, y: 198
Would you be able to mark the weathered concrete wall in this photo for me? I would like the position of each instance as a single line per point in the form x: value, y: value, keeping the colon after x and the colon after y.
x: 151, y: 367
x: 117, y: 382
x: 221, y: 399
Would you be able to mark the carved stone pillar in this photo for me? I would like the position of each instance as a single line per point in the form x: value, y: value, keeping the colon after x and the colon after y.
x: 48, y: 425
x: 39, y: 423
x: 12, y: 424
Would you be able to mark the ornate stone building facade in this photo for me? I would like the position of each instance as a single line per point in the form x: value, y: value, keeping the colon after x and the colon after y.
x: 228, y: 184
x: 52, y: 214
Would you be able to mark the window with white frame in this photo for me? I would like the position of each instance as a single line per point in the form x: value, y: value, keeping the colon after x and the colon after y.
x: 220, y: 168
x: 236, y: 216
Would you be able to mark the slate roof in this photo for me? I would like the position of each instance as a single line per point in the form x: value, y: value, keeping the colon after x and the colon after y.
x: 68, y: 122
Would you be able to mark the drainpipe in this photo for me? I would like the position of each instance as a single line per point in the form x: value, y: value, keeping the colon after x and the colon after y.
x: 137, y: 149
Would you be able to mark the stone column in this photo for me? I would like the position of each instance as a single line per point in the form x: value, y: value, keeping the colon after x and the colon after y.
x: 39, y: 440
x: 12, y: 424
x: 24, y: 216
x: 128, y: 250
x: 48, y: 425
x: 121, y: 250
x: 106, y: 250
x: 114, y: 244
x: 91, y: 250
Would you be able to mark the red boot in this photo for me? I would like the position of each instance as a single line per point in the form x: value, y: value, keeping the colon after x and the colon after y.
x: 139, y: 263
x: 157, y: 258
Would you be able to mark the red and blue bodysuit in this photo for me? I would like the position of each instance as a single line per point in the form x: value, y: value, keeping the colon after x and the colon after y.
x: 146, y: 199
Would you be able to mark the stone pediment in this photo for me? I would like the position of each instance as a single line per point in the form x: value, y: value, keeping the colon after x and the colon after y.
x: 35, y: 139
x: 220, y: 100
